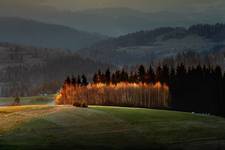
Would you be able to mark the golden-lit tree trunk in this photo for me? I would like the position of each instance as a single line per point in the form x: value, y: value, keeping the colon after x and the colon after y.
x: 122, y: 94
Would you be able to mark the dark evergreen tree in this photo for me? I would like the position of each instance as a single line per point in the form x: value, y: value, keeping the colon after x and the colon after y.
x: 151, y: 77
x: 141, y: 73
x: 118, y: 76
x: 68, y: 80
x: 79, y: 80
x: 114, y: 80
x: 124, y: 76
x: 165, y: 75
x: 100, y: 77
x: 108, y: 76
x: 95, y: 78
x: 223, y: 98
x: 84, y: 81
x: 159, y: 75
x: 74, y: 81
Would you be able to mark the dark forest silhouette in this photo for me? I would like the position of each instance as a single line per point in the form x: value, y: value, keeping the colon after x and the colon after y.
x: 198, y: 89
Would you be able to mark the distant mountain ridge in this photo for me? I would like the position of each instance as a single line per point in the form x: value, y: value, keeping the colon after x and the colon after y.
x: 145, y: 46
x: 34, y: 33
x: 117, y: 21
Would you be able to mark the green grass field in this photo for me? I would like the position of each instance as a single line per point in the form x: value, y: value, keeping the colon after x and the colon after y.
x: 35, y: 100
x: 67, y: 127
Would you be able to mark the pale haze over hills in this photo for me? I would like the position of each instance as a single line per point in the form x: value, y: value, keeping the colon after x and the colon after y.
x: 114, y: 17
x: 144, y: 5
x: 30, y: 32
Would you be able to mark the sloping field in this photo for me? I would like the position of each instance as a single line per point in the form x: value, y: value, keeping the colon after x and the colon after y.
x: 66, y: 127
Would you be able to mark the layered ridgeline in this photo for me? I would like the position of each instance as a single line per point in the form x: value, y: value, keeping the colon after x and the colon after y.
x: 147, y: 46
x: 26, y: 70
x: 30, y: 32
x: 115, y: 21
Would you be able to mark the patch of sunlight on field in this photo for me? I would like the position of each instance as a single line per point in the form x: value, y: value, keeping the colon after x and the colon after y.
x: 12, y: 116
x: 11, y: 109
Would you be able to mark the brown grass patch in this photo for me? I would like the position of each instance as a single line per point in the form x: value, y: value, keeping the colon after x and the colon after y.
x: 13, y: 116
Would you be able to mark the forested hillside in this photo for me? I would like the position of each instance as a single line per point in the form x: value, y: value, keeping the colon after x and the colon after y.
x: 34, y: 33
x: 147, y: 46
x: 28, y: 70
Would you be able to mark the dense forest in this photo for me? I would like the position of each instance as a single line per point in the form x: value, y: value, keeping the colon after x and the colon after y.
x: 145, y: 46
x: 195, y: 89
x: 191, y: 58
x: 28, y: 71
x: 214, y: 32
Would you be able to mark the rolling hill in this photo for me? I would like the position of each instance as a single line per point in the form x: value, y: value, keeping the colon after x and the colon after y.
x: 30, y: 32
x: 60, y: 127
x: 146, y: 46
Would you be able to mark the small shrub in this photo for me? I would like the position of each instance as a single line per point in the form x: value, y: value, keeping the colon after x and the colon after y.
x: 76, y: 104
x: 17, y: 100
x: 82, y: 104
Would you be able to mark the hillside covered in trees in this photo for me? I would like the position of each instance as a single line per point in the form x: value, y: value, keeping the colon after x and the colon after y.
x: 26, y: 70
x: 147, y: 46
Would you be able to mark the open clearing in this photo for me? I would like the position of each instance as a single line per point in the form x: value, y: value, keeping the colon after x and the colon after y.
x: 66, y: 127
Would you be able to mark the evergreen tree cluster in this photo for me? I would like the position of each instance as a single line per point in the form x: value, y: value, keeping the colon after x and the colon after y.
x: 142, y: 75
x: 215, y: 32
x: 76, y: 81
x: 198, y: 89
x: 195, y: 89
x: 114, y: 90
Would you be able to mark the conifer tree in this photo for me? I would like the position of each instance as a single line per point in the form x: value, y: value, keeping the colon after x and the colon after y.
x: 107, y: 76
x: 74, y: 81
x: 141, y: 73
x: 79, y: 80
x: 68, y: 80
x: 84, y: 81
x: 95, y: 78
x: 150, y: 75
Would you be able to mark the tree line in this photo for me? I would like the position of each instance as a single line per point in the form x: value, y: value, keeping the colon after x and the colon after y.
x: 142, y: 75
x: 195, y: 89
x: 198, y: 89
x: 119, y: 88
x: 121, y: 94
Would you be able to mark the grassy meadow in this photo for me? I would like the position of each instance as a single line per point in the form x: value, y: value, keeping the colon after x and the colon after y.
x: 66, y: 127
x: 35, y: 100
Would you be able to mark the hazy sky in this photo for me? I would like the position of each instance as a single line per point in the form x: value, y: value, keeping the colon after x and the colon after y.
x: 144, y: 5
x: 168, y: 12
